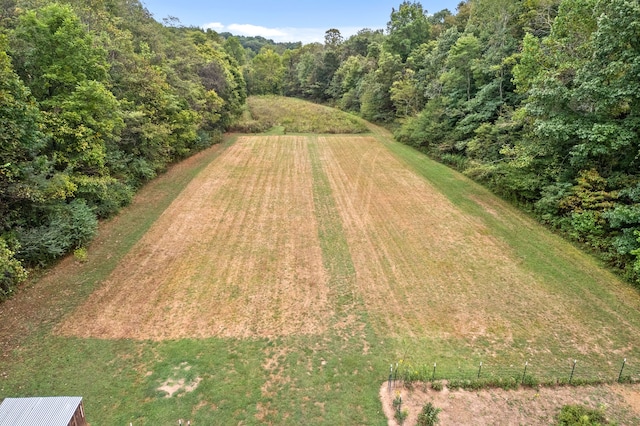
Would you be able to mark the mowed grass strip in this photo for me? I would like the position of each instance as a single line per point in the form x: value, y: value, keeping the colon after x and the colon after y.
x: 235, y: 255
x: 437, y: 272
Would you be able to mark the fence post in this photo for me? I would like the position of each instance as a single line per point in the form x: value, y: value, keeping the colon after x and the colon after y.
x: 395, y: 375
x: 524, y: 373
x: 433, y: 376
x: 479, y: 369
x: 572, y: 370
x: 620, y: 375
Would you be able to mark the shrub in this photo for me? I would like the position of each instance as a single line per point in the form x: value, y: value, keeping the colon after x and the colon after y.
x: 401, y: 415
x: 429, y: 415
x: 11, y: 271
x: 437, y: 385
x: 530, y: 381
x: 105, y: 195
x: 397, y: 402
x: 68, y: 227
x: 578, y: 415
x: 80, y: 254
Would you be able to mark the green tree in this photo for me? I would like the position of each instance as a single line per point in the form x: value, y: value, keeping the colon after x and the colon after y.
x: 307, y: 70
x: 407, y: 29
x: 53, y: 52
x: 266, y: 73
x: 11, y: 271
x: 346, y: 85
x: 358, y: 44
x: 461, y: 61
x: 404, y: 94
x: 23, y: 169
x: 233, y: 47
x: 80, y: 124
x: 67, y: 73
x: 333, y: 39
x: 376, y: 103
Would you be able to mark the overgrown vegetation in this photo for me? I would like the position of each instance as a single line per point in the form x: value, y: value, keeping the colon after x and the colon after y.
x: 578, y: 415
x: 429, y: 415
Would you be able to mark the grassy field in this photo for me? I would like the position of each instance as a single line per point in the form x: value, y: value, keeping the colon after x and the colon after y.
x: 278, y: 115
x: 273, y: 279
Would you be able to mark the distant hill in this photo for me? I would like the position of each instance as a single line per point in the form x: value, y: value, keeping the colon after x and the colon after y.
x: 258, y: 42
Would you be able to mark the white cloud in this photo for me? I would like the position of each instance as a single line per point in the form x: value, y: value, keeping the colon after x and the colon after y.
x: 305, y: 35
x: 216, y: 26
x: 256, y: 30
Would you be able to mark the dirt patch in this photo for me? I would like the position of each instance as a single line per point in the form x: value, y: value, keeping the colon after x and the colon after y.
x: 172, y: 387
x: 177, y: 384
x: 515, y: 407
x: 235, y: 255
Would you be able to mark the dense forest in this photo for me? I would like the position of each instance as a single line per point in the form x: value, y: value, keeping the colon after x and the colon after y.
x: 96, y: 98
x: 537, y: 99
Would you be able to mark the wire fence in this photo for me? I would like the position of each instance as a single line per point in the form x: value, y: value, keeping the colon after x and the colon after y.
x: 573, y: 372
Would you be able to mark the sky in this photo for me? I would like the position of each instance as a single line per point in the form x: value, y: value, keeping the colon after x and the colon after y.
x: 289, y: 20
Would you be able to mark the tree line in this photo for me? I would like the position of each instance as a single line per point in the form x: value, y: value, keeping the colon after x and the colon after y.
x: 537, y: 99
x: 96, y: 98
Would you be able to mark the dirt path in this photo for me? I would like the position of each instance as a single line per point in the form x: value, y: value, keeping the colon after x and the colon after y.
x: 497, y: 407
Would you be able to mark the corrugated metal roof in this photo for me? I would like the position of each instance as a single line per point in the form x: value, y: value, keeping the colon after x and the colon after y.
x: 49, y: 411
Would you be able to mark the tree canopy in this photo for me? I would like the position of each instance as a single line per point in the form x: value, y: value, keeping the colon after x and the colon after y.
x: 96, y: 98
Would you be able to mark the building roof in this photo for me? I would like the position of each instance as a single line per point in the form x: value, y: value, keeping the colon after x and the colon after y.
x: 50, y: 411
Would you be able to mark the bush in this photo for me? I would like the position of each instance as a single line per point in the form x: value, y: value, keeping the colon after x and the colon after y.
x: 400, y: 414
x: 105, y: 195
x: 530, y: 381
x: 81, y: 254
x: 69, y: 226
x: 578, y: 415
x: 11, y: 271
x: 429, y: 415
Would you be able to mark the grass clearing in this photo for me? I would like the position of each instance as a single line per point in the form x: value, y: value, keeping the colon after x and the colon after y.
x: 235, y: 255
x: 572, y: 306
x: 278, y: 115
x: 273, y: 280
x: 469, y: 278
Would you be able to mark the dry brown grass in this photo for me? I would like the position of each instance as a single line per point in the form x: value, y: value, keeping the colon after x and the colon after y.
x: 235, y: 255
x: 425, y: 268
